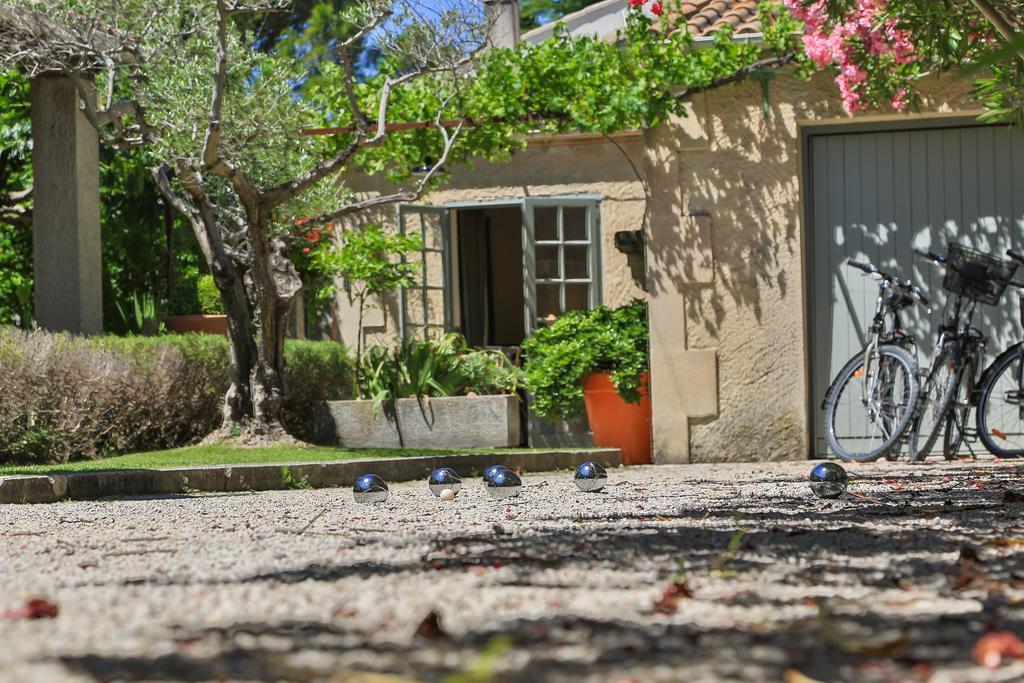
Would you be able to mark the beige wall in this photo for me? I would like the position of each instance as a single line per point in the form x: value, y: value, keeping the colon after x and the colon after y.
x: 726, y: 269
x: 725, y: 259
x: 571, y: 165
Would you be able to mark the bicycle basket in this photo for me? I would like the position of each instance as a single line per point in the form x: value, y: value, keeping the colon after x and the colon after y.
x: 976, y: 275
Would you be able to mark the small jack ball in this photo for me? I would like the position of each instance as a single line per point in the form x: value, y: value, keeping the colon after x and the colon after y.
x: 447, y: 494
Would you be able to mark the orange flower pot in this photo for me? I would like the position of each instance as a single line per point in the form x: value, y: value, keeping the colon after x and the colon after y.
x: 205, y: 324
x: 615, y: 423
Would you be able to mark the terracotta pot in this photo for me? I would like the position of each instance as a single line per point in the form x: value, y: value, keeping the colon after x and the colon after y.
x: 617, y: 424
x: 204, y: 324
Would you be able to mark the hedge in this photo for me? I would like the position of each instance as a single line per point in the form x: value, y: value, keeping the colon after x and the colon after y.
x: 64, y: 397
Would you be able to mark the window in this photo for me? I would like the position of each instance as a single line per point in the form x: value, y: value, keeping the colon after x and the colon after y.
x: 470, y: 275
x: 564, y: 272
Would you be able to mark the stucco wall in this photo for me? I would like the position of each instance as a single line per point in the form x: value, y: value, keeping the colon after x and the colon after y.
x: 572, y: 165
x: 739, y: 171
x: 725, y: 257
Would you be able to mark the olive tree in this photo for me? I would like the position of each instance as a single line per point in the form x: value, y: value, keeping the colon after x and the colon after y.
x: 186, y: 79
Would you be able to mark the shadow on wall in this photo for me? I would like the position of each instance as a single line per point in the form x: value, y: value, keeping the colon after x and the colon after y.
x: 738, y: 201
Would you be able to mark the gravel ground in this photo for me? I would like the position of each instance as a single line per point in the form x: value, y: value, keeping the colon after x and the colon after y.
x: 882, y: 585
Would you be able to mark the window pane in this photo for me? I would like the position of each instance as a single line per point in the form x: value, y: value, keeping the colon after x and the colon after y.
x: 547, y: 301
x: 577, y: 296
x: 574, y: 223
x: 577, y: 264
x: 547, y: 262
x: 546, y: 223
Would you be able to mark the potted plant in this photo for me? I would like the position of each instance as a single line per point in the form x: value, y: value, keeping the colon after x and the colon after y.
x: 432, y: 393
x: 211, y: 319
x: 596, y: 361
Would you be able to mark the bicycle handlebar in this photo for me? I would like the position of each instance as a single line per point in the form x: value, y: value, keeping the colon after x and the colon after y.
x: 906, y: 285
x: 931, y: 256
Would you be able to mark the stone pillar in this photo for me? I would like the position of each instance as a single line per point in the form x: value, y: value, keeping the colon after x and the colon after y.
x: 66, y: 210
x: 502, y: 18
x: 684, y: 380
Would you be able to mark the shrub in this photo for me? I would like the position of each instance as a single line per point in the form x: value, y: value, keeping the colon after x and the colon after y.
x: 209, y: 296
x: 559, y: 357
x: 442, y: 367
x: 64, y: 397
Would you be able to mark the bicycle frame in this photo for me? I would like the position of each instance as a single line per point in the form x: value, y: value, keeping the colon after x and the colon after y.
x: 886, y: 304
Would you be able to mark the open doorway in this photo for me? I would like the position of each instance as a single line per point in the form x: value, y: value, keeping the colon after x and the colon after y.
x: 489, y: 304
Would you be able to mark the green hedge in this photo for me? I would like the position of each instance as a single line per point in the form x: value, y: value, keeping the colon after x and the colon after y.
x: 64, y: 397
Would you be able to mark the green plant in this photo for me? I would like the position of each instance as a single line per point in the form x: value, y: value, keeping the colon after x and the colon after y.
x: 372, y: 262
x: 442, y: 367
x: 209, y: 296
x: 143, y: 317
x: 559, y: 357
x: 289, y: 481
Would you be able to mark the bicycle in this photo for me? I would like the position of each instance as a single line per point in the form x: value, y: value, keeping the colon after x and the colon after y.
x: 1000, y: 399
x: 880, y: 382
x: 972, y: 277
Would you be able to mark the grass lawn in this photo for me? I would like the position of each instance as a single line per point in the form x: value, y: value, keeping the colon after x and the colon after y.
x: 231, y: 455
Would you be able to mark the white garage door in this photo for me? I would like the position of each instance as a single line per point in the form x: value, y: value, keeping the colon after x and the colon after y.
x: 878, y: 195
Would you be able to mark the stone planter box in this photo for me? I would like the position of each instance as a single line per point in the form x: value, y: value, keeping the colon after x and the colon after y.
x: 451, y: 422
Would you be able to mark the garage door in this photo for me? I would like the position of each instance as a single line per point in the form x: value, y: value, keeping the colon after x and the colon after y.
x: 877, y: 196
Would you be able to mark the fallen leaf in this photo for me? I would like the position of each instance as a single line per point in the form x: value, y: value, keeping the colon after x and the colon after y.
x: 968, y: 569
x: 1011, y: 496
x: 991, y: 649
x: 431, y: 627
x: 669, y: 600
x: 34, y: 608
x: 794, y: 676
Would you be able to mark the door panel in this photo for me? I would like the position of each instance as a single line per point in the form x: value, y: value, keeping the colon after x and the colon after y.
x: 425, y: 309
x: 877, y: 196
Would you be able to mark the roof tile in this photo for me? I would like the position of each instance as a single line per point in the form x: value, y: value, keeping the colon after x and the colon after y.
x: 704, y: 17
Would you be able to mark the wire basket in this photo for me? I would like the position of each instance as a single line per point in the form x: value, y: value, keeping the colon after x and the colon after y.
x: 976, y: 275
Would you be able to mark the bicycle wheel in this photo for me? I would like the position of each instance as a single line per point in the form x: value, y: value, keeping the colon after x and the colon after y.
x: 933, y: 404
x: 960, y: 408
x: 865, y: 416
x: 1000, y: 406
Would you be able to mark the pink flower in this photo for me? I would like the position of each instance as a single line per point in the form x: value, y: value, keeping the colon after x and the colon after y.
x: 861, y: 36
x: 656, y: 9
x: 899, y: 100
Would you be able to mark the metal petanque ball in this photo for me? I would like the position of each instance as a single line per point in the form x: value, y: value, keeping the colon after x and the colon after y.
x: 370, y: 488
x: 444, y: 478
x: 591, y: 477
x: 491, y: 471
x: 504, y: 484
x: 828, y: 480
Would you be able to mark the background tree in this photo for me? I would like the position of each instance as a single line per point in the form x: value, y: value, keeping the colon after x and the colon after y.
x: 15, y: 199
x: 180, y: 78
x: 534, y: 13
x: 881, y: 48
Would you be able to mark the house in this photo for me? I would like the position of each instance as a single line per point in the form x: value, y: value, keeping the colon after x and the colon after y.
x: 755, y: 204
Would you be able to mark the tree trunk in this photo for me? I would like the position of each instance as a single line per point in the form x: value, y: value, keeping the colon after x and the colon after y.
x: 272, y: 282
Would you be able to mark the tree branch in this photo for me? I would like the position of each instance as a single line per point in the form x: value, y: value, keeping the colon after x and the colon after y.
x: 161, y: 174
x: 740, y: 74
x: 404, y: 196
x: 1001, y: 24
x: 211, y: 144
